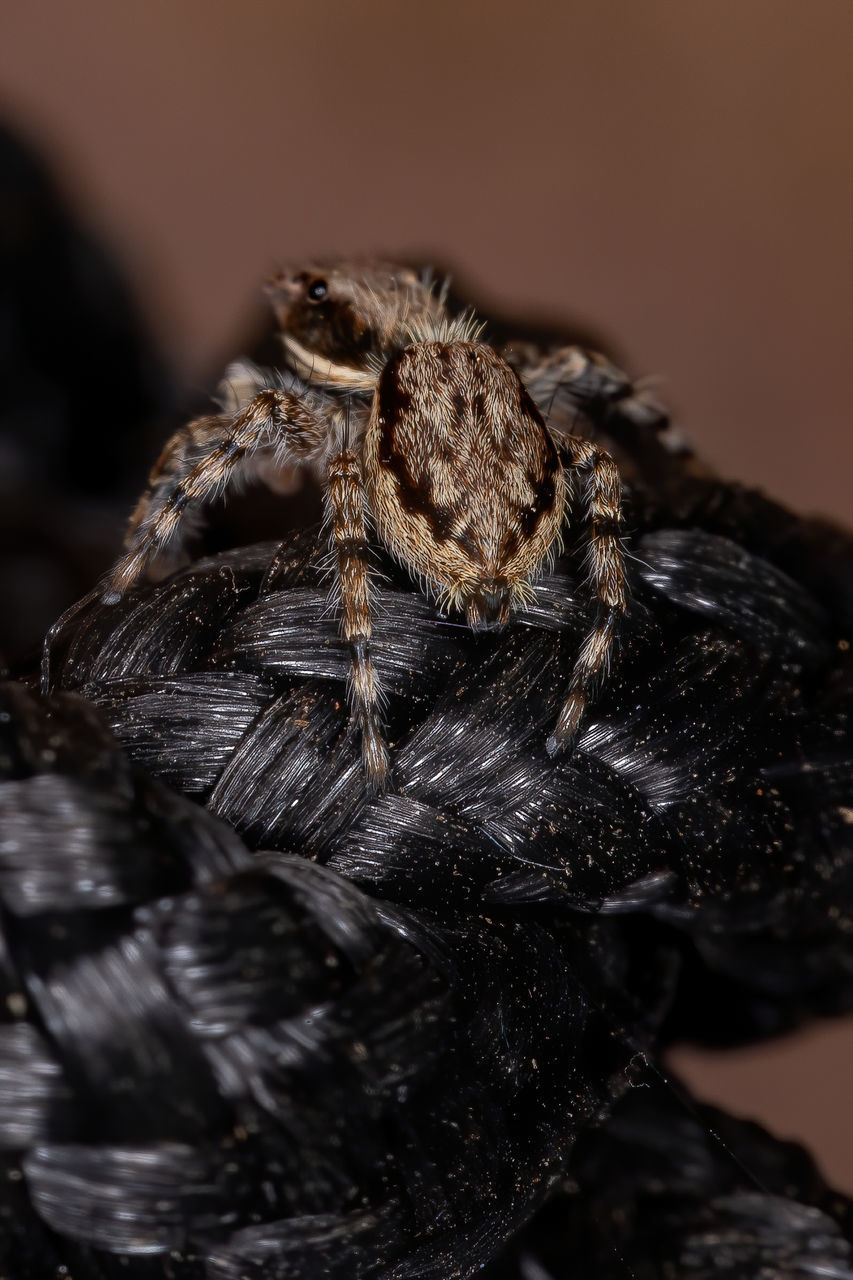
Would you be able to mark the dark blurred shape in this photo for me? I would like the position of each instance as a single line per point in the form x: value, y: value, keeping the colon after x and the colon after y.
x: 667, y: 1188
x: 80, y: 385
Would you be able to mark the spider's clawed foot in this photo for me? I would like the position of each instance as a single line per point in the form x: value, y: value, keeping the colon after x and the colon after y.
x: 568, y: 723
x: 376, y: 761
x: 125, y: 574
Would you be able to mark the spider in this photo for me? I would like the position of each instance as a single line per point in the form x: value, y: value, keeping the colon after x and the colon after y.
x: 423, y: 432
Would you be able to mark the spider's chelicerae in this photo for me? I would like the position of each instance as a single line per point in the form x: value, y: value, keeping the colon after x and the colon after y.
x: 424, y: 433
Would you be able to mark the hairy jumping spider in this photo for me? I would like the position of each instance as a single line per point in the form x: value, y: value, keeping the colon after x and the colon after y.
x: 423, y: 433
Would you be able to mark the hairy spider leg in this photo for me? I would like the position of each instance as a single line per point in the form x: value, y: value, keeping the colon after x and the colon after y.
x: 345, y: 498
x: 606, y: 577
x: 596, y: 389
x: 594, y: 386
x: 204, y: 458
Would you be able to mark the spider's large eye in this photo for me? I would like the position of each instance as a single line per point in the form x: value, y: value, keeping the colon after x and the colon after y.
x: 317, y: 290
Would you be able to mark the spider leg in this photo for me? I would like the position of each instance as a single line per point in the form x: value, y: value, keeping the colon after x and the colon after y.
x: 593, y: 386
x: 346, y: 502
x: 201, y: 460
x: 606, y: 578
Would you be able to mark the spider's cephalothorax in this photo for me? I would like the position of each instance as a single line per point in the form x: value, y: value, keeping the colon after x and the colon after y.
x: 339, y: 322
x: 416, y: 426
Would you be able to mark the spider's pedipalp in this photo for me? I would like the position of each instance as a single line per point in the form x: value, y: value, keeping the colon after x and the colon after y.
x: 201, y: 460
x: 606, y: 577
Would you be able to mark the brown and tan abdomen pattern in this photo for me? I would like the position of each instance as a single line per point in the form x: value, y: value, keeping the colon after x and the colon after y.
x: 465, y: 483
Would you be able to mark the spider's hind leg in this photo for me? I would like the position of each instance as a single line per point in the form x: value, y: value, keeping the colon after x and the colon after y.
x: 628, y: 413
x: 606, y: 578
x: 594, y: 387
x: 345, y: 498
x: 203, y: 459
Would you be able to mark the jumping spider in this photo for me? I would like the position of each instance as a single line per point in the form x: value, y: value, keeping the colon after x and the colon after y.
x: 421, y: 431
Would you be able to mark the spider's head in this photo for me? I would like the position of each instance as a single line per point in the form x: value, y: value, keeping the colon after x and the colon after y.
x: 341, y: 322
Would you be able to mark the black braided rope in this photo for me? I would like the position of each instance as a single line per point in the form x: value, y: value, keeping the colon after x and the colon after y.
x: 250, y: 1061
x: 707, y: 788
x: 371, y: 1048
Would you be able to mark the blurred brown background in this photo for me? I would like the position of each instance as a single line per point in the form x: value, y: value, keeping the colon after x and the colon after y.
x: 674, y: 176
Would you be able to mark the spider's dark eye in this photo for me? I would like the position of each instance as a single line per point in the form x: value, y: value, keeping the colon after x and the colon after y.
x: 317, y: 290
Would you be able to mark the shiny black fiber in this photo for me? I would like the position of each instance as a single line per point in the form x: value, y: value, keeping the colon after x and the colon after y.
x: 259, y: 1023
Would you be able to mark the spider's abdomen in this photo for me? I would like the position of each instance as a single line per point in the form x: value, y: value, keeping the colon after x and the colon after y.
x: 465, y: 483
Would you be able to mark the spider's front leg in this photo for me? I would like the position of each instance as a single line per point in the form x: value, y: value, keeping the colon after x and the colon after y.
x: 201, y: 460
x: 606, y: 576
x: 346, y: 503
